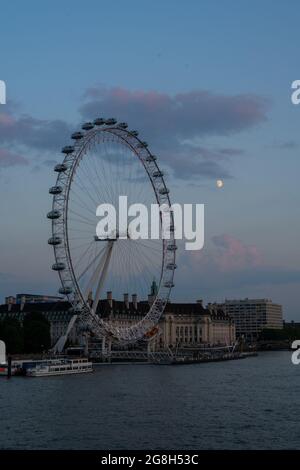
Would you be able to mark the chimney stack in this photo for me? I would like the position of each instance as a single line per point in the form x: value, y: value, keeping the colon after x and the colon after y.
x: 109, y: 298
x: 134, y: 301
x: 200, y: 301
x: 126, y: 301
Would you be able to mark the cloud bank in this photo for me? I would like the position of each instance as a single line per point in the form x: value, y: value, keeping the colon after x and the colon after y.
x: 229, y: 264
x: 174, y: 126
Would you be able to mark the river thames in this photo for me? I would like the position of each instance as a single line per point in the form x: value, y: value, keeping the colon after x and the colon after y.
x: 252, y: 403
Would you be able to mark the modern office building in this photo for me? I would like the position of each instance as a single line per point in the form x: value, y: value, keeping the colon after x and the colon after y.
x: 251, y: 316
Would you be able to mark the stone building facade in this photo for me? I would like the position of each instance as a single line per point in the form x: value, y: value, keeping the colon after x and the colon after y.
x: 183, y: 325
x: 188, y: 325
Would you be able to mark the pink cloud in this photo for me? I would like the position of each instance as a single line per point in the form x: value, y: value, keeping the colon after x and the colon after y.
x: 188, y: 114
x: 228, y: 254
x: 8, y: 159
x: 229, y: 264
x: 25, y: 130
x: 232, y: 254
x: 6, y: 119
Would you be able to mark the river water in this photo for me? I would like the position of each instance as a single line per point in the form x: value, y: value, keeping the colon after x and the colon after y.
x: 252, y: 403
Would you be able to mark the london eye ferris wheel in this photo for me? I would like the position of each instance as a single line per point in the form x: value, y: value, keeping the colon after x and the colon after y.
x: 104, y: 162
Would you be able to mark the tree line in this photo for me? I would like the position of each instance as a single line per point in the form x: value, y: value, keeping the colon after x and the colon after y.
x: 30, y: 336
x: 290, y: 332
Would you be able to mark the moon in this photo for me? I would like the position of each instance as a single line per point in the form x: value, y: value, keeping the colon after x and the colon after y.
x: 220, y: 183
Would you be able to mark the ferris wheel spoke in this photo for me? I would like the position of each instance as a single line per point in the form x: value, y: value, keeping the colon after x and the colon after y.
x: 103, y: 274
x: 85, y: 219
x: 102, y: 181
x: 90, y: 245
x: 124, y: 262
x: 91, y: 263
x: 152, y: 248
x: 148, y: 261
x: 85, y: 190
x: 78, y: 221
x: 76, y: 247
x: 93, y: 162
x: 132, y: 261
x: 91, y: 176
x: 81, y: 204
x: 89, y: 179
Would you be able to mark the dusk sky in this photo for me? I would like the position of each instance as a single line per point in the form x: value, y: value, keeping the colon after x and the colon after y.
x: 208, y: 85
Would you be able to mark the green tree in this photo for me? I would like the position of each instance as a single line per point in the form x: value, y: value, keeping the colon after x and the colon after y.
x: 36, y: 333
x: 11, y: 332
x: 287, y: 333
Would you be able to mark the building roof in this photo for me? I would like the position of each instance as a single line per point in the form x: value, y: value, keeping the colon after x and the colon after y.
x: 36, y: 307
x: 186, y: 308
x: 118, y: 307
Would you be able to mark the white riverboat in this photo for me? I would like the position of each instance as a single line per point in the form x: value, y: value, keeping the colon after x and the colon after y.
x: 60, y: 367
x: 3, y: 369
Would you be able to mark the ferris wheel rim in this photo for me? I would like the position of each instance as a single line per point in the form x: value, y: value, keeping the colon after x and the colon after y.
x: 70, y: 288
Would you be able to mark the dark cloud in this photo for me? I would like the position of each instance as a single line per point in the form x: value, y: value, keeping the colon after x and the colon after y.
x: 26, y: 131
x: 289, y: 145
x: 185, y: 115
x: 174, y: 125
x: 188, y: 163
x: 284, y: 145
